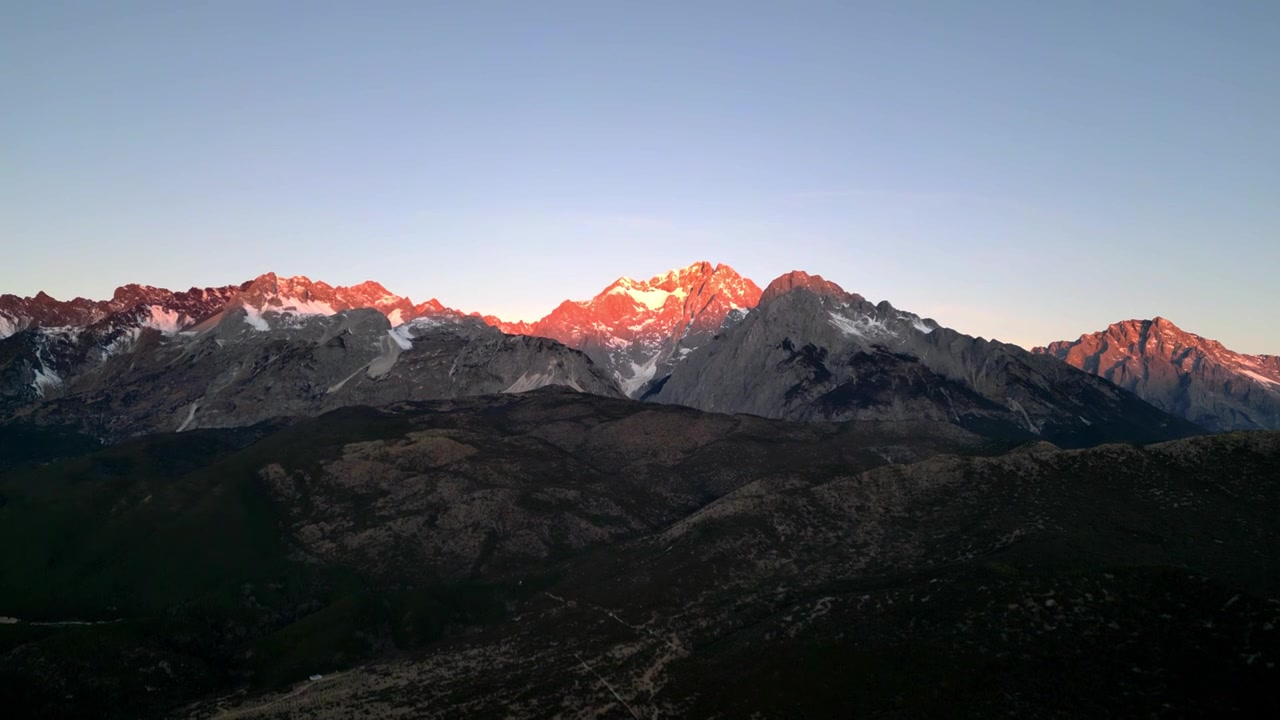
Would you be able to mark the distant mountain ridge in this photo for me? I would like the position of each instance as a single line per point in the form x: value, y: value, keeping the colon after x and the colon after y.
x: 634, y: 328
x: 701, y: 335
x: 174, y: 311
x: 152, y: 306
x: 152, y: 360
x: 1181, y: 372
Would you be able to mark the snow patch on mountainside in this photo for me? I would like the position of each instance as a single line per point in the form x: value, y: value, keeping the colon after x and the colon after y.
x: 527, y: 382
x: 862, y: 327
x: 45, y: 378
x: 66, y: 334
x: 162, y: 319
x: 654, y: 299
x: 191, y: 415
x: 406, y: 332
x: 1260, y: 378
x: 122, y: 343
x: 8, y: 326
x: 845, y: 325
x: 306, y: 307
x: 391, y: 348
x: 640, y: 374
x: 255, y: 319
x: 401, y: 337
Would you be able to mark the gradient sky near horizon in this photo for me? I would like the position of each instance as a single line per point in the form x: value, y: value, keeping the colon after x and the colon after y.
x: 1024, y: 171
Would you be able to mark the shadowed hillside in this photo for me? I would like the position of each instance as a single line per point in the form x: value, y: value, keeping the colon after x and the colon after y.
x: 520, y: 555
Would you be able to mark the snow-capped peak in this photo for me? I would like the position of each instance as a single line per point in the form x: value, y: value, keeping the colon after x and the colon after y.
x: 634, y: 327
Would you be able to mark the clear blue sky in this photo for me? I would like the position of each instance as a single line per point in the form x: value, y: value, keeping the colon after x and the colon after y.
x: 1023, y: 170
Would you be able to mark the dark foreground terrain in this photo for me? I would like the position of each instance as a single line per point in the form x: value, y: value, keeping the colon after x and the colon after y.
x: 559, y: 554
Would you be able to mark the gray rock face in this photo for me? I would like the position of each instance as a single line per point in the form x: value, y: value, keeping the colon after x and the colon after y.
x: 244, y: 366
x: 811, y: 351
x: 1181, y: 373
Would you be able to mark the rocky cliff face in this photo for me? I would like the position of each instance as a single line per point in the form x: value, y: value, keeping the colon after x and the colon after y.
x: 811, y: 351
x: 1182, y: 373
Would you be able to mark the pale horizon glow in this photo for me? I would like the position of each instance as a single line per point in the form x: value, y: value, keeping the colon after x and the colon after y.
x: 1018, y: 171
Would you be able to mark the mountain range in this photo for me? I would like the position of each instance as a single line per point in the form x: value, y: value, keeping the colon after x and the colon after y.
x: 274, y: 347
x: 152, y: 359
